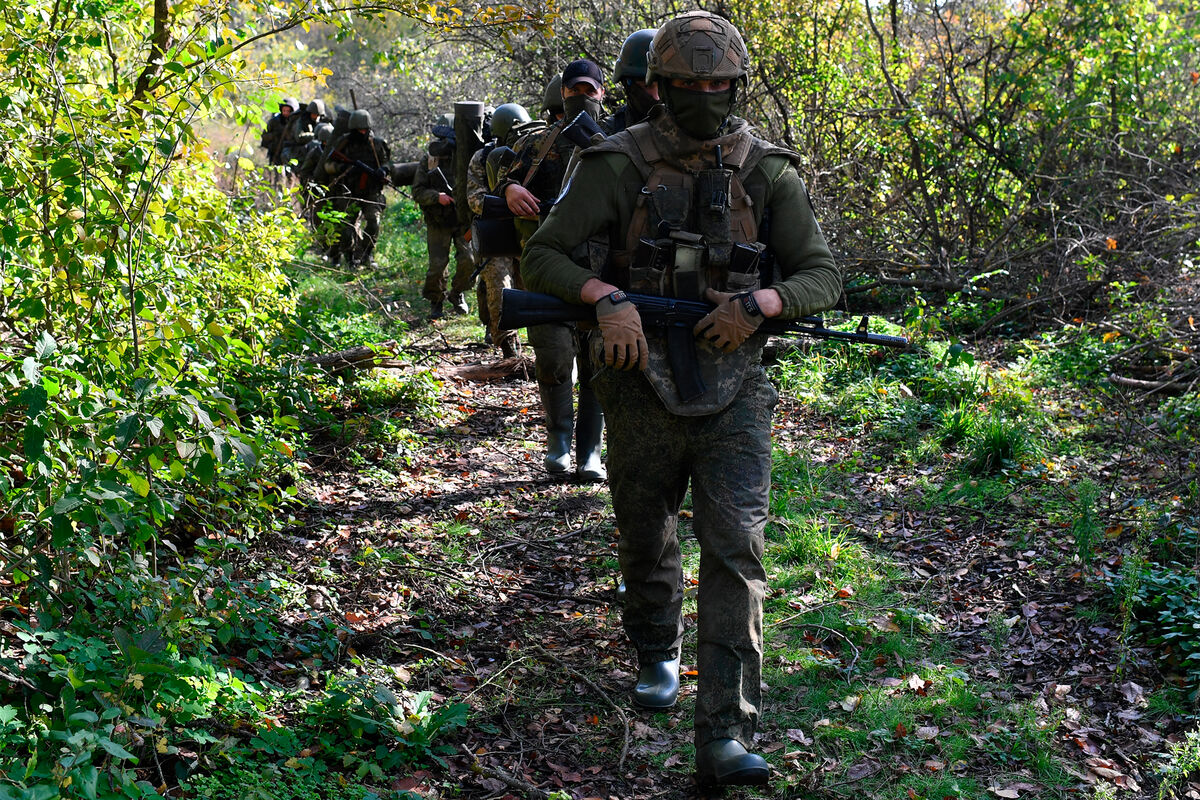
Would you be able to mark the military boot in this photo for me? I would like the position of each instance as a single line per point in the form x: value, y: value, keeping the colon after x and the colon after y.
x: 556, y: 402
x: 725, y: 762
x: 458, y: 304
x: 657, y: 684
x: 589, y: 425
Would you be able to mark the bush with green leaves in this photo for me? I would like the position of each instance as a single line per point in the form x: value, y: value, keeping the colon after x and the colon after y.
x: 1163, y: 593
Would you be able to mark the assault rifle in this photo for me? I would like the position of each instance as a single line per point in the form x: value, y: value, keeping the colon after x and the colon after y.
x: 378, y: 173
x: 521, y: 309
x: 676, y: 318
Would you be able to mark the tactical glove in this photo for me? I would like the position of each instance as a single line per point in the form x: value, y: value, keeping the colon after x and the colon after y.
x: 621, y: 329
x: 733, y: 320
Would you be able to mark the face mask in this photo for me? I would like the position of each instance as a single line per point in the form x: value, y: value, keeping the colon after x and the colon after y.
x: 581, y: 102
x: 700, y: 114
x: 638, y: 101
x: 440, y: 148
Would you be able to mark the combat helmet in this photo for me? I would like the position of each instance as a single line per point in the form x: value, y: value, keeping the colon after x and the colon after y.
x: 552, y: 100
x: 290, y: 101
x: 360, y: 118
x: 697, y: 45
x: 505, y: 117
x: 324, y: 132
x: 631, y: 64
x: 317, y: 107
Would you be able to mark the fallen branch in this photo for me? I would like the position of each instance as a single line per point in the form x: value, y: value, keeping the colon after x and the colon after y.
x: 508, y: 780
x: 1177, y: 386
x: 362, y: 357
x: 603, y: 695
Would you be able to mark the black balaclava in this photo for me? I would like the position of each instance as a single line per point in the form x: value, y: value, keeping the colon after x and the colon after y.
x: 581, y: 102
x: 700, y: 114
x: 638, y: 102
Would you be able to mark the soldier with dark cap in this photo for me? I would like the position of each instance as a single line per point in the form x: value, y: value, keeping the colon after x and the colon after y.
x: 690, y: 203
x: 630, y: 73
x: 432, y: 190
x: 357, y: 165
x: 559, y: 357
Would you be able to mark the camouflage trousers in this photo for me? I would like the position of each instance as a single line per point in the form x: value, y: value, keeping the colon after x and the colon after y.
x: 726, y: 457
x: 438, y: 241
x: 499, y: 274
x: 556, y: 347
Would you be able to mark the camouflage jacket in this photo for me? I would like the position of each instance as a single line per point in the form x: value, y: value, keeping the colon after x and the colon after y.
x: 599, y: 203
x: 477, y: 182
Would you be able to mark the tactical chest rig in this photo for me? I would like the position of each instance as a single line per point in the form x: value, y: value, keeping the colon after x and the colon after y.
x: 693, y: 227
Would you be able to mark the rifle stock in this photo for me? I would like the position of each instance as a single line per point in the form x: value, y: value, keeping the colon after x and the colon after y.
x: 521, y: 309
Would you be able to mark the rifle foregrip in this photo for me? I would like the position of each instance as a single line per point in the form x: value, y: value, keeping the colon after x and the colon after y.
x: 520, y: 309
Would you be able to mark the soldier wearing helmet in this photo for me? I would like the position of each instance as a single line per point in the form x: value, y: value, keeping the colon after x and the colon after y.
x: 630, y: 72
x: 356, y: 167
x: 508, y: 122
x: 559, y: 357
x: 690, y: 203
x: 273, y: 137
x: 303, y: 128
x: 432, y: 189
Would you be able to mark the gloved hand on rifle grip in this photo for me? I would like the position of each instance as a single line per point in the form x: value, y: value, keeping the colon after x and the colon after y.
x: 621, y: 330
x: 733, y: 320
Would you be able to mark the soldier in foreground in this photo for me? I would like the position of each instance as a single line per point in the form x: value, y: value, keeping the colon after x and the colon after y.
x: 357, y: 166
x: 688, y: 200
x: 544, y: 157
x: 432, y: 189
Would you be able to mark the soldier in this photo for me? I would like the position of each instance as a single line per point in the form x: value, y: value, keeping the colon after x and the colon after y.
x: 630, y: 72
x: 272, y: 138
x: 303, y: 129
x: 432, y: 190
x: 533, y: 185
x: 498, y: 272
x: 688, y: 200
x: 357, y: 165
x: 312, y: 189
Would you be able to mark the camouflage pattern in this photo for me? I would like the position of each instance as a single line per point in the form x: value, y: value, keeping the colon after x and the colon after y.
x: 655, y: 454
x: 497, y: 274
x: 726, y: 458
x: 697, y: 44
x: 356, y: 193
x: 441, y: 231
x: 548, y: 179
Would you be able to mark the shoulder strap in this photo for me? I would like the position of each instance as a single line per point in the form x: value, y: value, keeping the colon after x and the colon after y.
x: 626, y: 143
x: 547, y: 143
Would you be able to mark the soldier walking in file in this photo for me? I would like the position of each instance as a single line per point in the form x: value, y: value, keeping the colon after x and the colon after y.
x: 357, y: 164
x: 498, y: 272
x: 529, y: 191
x: 688, y: 202
x: 432, y: 189
x: 273, y: 136
x: 630, y: 73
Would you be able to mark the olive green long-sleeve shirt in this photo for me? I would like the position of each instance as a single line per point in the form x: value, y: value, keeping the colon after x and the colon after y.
x: 599, y: 200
